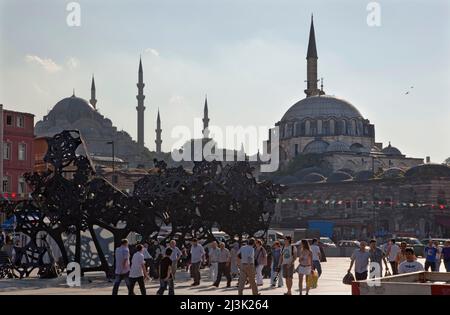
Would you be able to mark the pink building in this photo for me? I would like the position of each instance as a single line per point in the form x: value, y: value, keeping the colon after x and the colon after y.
x: 18, y: 155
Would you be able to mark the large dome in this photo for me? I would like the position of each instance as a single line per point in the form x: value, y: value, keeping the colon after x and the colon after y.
x: 321, y: 106
x: 72, y: 108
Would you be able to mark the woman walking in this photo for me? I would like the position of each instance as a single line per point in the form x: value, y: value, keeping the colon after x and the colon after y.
x: 304, y: 269
x: 260, y: 261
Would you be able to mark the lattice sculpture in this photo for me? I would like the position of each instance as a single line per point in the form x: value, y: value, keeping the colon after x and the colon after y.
x: 69, y: 201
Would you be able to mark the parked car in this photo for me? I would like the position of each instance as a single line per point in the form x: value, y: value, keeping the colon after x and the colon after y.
x: 441, y: 241
x: 327, y: 242
x: 347, y: 243
x: 350, y: 243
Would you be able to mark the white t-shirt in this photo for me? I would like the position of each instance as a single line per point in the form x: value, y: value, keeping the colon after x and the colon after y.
x: 393, y: 252
x: 315, y: 252
x: 289, y: 252
x: 407, y: 267
x: 136, y: 265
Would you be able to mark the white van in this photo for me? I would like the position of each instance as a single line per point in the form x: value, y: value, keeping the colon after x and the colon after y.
x: 271, y: 236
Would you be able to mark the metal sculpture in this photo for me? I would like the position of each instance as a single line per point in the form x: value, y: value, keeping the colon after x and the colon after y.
x: 71, y: 208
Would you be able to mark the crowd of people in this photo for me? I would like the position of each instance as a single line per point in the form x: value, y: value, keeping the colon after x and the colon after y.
x: 249, y: 262
x: 402, y: 259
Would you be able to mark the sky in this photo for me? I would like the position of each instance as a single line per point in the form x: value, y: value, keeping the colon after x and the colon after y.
x: 248, y: 56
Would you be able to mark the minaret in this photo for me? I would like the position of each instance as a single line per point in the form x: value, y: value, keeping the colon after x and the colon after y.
x: 140, y: 108
x: 205, y: 130
x: 93, y: 100
x: 158, y: 130
x: 311, y: 57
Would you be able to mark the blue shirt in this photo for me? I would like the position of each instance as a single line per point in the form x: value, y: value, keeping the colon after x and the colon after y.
x: 122, y: 260
x: 276, y: 254
x: 446, y: 254
x: 430, y: 253
x: 247, y: 254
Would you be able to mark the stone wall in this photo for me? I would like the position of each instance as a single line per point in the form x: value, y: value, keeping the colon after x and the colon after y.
x: 408, y: 206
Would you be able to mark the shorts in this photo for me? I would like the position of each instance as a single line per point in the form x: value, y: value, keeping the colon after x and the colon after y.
x: 288, y: 271
x: 304, y: 270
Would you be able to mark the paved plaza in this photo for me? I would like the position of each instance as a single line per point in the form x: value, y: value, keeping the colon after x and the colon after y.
x: 330, y: 283
x: 96, y: 284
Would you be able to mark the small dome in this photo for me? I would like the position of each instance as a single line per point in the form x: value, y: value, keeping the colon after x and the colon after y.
x: 313, y: 178
x: 359, y: 148
x: 316, y: 146
x: 393, y: 172
x: 429, y: 170
x: 308, y: 170
x: 338, y: 146
x: 288, y: 180
x: 323, y: 106
x: 339, y: 177
x: 347, y: 170
x: 364, y: 175
x: 390, y: 150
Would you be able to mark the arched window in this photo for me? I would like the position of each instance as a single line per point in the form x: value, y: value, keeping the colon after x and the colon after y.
x: 343, y: 130
x: 326, y: 127
x: 296, y: 129
x: 332, y: 127
x: 307, y: 128
x: 287, y: 131
x: 314, y: 127
x: 319, y: 127
x: 360, y: 128
x: 353, y: 130
x: 302, y: 128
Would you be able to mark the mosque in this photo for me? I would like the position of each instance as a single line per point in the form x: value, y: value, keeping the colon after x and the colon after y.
x: 75, y: 113
x: 334, y: 128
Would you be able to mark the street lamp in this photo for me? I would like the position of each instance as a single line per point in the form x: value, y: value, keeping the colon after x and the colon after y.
x: 113, y: 158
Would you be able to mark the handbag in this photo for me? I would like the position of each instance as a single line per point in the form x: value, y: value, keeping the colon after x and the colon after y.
x: 312, y: 279
x: 348, y: 278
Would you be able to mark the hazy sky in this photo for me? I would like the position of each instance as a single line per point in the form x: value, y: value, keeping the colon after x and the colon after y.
x: 247, y: 55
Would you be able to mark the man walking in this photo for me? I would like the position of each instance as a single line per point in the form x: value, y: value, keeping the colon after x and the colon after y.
x: 276, y: 270
x: 138, y: 271
x: 430, y: 256
x: 175, y: 256
x: 122, y: 270
x: 224, y: 262
x: 392, y: 252
x: 376, y: 255
x: 197, y: 257
x: 166, y: 274
x: 315, y: 249
x: 246, y: 259
x: 288, y: 257
x: 213, y: 254
x: 360, y: 258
